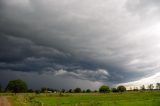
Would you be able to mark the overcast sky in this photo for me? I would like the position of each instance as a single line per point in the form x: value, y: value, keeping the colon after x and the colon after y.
x: 80, y: 43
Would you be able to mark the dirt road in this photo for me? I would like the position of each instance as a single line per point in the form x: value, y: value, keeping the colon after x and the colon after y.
x: 4, y: 101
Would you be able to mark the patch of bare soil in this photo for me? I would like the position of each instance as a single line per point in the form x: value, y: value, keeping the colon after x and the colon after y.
x: 4, y: 101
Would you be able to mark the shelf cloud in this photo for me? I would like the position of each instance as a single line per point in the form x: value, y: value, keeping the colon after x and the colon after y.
x: 93, y: 42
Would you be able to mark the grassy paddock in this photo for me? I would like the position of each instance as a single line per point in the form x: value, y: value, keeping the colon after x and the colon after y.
x: 148, y: 98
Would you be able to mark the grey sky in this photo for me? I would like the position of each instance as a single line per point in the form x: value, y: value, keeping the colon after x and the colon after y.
x: 104, y: 42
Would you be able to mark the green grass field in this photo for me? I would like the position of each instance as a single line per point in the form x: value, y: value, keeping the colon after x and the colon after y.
x: 148, y: 98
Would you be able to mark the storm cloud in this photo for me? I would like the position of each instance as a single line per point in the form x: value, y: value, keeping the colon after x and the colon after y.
x: 104, y: 42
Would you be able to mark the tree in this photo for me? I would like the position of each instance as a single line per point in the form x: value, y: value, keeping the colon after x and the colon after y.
x: 84, y: 91
x: 43, y: 90
x: 104, y: 89
x: 121, y: 88
x: 142, y: 87
x: 0, y: 88
x: 37, y: 91
x: 70, y: 90
x: 95, y: 91
x: 114, y: 90
x: 63, y: 90
x: 30, y: 90
x: 150, y: 86
x: 17, y: 86
x: 135, y: 89
x: 77, y: 90
x: 158, y: 86
x: 88, y: 91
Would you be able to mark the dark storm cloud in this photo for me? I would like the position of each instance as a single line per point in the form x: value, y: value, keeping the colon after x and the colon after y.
x: 86, y: 40
x: 21, y: 54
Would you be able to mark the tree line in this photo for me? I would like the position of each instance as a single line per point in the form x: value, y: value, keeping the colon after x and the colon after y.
x: 20, y: 86
x: 149, y: 87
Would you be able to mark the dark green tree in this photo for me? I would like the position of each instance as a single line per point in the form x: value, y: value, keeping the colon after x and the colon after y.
x: 121, y: 88
x: 0, y: 88
x: 88, y: 91
x: 17, y: 86
x: 104, y: 89
x: 114, y: 90
x: 95, y: 91
x: 70, y: 90
x: 43, y: 90
x: 37, y: 91
x: 77, y: 90
x: 63, y: 90
x: 30, y: 90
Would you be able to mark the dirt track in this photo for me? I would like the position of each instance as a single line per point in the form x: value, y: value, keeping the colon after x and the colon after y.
x: 4, y: 101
